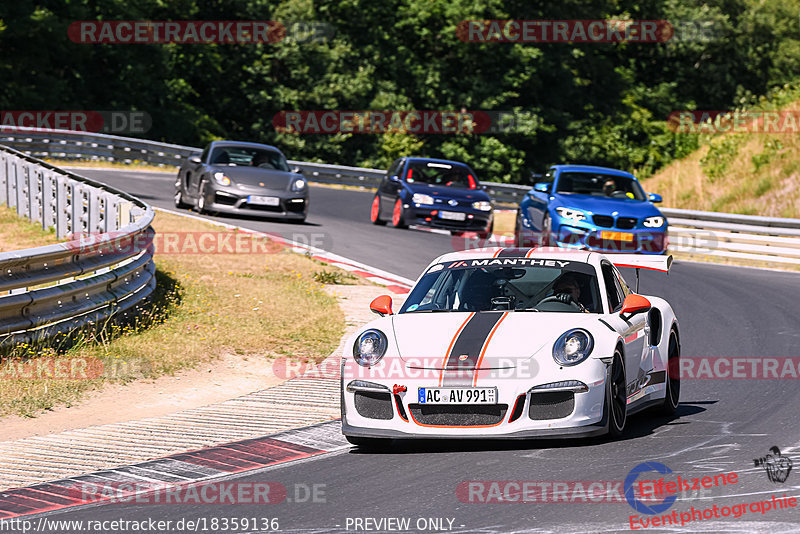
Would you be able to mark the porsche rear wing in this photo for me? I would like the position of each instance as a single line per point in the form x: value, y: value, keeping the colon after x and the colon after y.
x: 641, y: 261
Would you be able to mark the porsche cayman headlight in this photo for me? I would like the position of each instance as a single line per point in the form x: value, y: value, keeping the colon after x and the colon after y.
x: 221, y: 179
x: 654, y: 222
x: 573, y: 347
x: 370, y: 347
x: 571, y: 214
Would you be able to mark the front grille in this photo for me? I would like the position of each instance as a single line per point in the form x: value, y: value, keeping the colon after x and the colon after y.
x: 296, y: 207
x: 603, y: 220
x: 256, y: 207
x: 626, y: 223
x: 551, y: 405
x: 374, y: 405
x: 458, y: 414
x: 225, y: 200
x: 612, y: 244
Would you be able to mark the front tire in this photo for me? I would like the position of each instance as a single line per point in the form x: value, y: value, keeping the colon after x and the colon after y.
x: 673, y: 379
x: 200, y: 202
x: 487, y: 234
x: 375, y: 211
x: 617, y: 398
x: 398, y: 215
x: 547, y: 231
x: 179, y: 202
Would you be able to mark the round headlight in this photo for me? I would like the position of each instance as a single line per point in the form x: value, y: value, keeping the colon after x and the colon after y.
x: 221, y: 179
x: 573, y: 347
x: 298, y: 185
x: 370, y: 347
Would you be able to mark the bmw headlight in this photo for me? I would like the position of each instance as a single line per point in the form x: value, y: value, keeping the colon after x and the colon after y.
x: 298, y: 185
x: 221, y: 179
x: 419, y: 198
x: 573, y: 347
x: 571, y: 214
x: 482, y: 205
x: 654, y: 222
x: 370, y: 347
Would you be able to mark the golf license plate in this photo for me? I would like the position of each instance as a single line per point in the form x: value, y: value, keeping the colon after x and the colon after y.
x: 453, y: 215
x: 457, y: 395
x: 263, y: 201
x: 616, y: 236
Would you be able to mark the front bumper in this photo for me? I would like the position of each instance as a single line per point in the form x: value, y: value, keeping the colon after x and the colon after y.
x: 544, y: 413
x: 636, y: 240
x: 290, y: 205
x: 431, y: 216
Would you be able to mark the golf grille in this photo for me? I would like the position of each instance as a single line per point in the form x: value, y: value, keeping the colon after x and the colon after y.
x: 458, y: 414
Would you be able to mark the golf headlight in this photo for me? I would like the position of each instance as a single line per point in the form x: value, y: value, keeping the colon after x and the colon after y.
x: 571, y: 214
x: 298, y: 185
x: 573, y: 347
x: 482, y: 205
x: 221, y: 179
x: 370, y: 347
x: 654, y: 222
x: 419, y: 198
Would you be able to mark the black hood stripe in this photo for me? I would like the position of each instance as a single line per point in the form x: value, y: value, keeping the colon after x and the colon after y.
x: 469, y: 342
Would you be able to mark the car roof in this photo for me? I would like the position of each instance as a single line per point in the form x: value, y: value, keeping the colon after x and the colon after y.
x: 592, y: 168
x: 550, y: 253
x: 416, y: 159
x: 243, y: 144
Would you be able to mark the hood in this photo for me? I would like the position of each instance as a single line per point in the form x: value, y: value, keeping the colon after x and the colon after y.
x: 425, y: 339
x: 253, y: 177
x: 625, y: 207
x: 457, y: 193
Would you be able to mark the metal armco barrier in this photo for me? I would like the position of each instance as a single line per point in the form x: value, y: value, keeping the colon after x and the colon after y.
x: 58, y: 288
x: 711, y: 234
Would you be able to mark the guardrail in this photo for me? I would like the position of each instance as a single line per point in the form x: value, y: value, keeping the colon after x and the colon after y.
x: 58, y: 288
x: 710, y: 234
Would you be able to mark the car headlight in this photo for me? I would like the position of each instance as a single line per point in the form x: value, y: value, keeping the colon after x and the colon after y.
x: 370, y: 347
x: 221, y: 179
x: 571, y: 214
x: 419, y: 198
x: 573, y: 347
x: 299, y: 185
x: 654, y: 222
x: 482, y: 205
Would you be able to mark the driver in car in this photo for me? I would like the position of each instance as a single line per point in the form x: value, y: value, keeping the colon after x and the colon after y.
x: 567, y: 290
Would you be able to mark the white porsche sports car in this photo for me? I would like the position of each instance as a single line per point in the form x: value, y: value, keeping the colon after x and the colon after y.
x: 512, y: 343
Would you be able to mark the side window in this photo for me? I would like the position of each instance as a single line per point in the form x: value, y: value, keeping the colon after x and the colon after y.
x: 395, y: 168
x: 613, y: 288
x: 624, y: 285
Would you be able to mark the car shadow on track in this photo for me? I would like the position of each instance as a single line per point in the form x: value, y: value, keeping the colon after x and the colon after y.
x: 640, y: 425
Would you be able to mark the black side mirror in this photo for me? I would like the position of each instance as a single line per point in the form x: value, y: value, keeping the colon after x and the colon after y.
x: 394, y: 178
x: 297, y: 170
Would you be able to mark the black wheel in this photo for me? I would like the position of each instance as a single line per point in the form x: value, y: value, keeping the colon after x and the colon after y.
x: 547, y: 231
x: 456, y: 233
x: 179, y: 203
x: 398, y: 215
x: 200, y: 202
x: 617, y: 398
x: 368, y: 443
x: 673, y: 378
x: 375, y: 211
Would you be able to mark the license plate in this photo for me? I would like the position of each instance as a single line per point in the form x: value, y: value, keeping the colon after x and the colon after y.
x: 453, y: 215
x: 457, y: 395
x: 616, y: 236
x: 263, y: 201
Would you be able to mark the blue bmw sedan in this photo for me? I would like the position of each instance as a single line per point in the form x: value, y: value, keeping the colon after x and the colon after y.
x: 595, y: 208
x: 433, y: 192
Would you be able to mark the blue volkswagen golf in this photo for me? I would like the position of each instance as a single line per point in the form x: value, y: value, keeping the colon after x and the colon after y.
x: 595, y: 208
x: 433, y: 192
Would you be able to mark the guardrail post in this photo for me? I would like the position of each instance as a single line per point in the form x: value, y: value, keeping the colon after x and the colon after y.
x: 49, y: 200
x: 35, y: 193
x: 20, y: 190
x: 62, y: 203
x: 3, y: 178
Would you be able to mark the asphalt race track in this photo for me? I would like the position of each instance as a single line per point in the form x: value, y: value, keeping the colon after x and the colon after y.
x: 722, y: 424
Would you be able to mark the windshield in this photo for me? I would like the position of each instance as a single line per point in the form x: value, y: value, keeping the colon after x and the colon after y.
x: 520, y: 284
x: 599, y: 185
x: 441, y: 174
x: 249, y: 157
